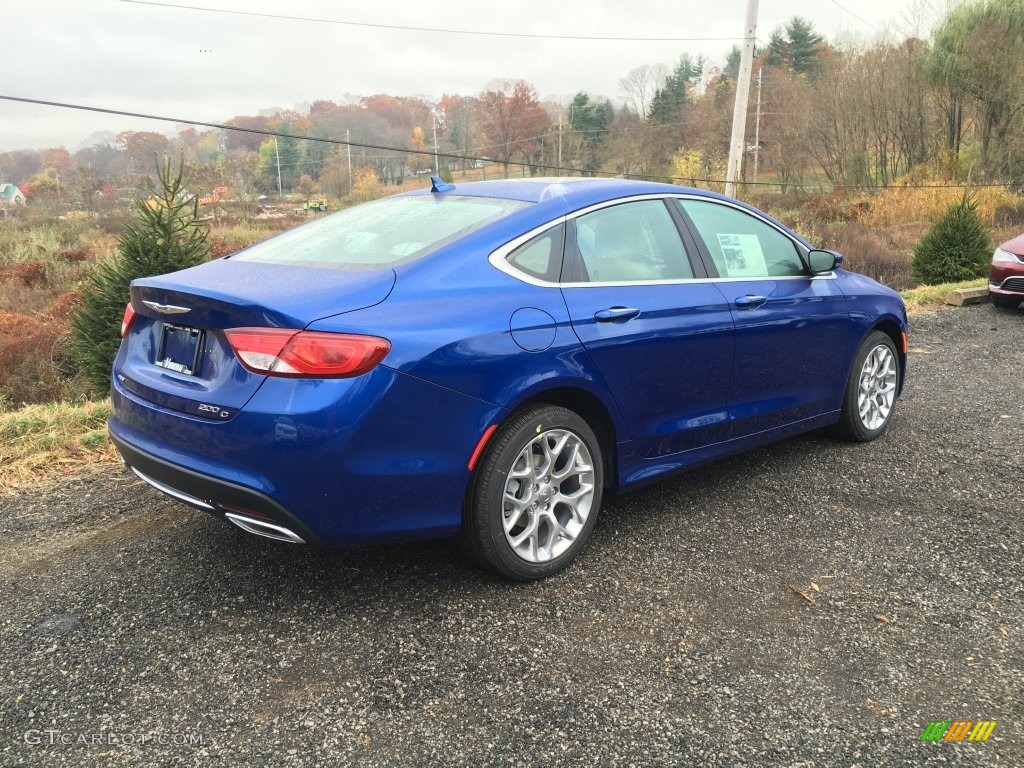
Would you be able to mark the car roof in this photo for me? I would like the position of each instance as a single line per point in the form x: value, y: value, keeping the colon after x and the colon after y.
x: 555, y: 196
x: 574, y: 191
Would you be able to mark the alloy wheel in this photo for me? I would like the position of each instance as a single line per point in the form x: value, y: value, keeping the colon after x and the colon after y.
x: 876, y: 387
x: 548, y: 495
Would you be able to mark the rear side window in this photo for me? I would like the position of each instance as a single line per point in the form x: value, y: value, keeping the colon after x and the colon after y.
x: 383, y: 233
x: 541, y: 257
x: 741, y: 245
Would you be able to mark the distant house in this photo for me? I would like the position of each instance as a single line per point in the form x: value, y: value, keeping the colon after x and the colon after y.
x: 11, y: 195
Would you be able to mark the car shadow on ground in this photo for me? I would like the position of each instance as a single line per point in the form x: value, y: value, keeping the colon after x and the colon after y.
x: 270, y: 572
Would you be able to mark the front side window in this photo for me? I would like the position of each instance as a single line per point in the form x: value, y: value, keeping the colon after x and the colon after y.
x: 382, y: 233
x: 631, y: 242
x: 742, y: 245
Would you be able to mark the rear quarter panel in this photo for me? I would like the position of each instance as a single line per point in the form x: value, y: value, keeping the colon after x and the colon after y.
x: 449, y: 322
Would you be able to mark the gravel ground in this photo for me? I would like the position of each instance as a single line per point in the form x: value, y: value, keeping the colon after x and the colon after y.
x: 676, y: 640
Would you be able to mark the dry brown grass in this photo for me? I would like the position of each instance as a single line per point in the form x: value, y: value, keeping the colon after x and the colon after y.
x: 871, y: 252
x: 34, y: 365
x: 925, y: 205
x: 39, y: 442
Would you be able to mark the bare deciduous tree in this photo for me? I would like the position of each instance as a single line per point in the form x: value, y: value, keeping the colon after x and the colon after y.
x: 640, y: 85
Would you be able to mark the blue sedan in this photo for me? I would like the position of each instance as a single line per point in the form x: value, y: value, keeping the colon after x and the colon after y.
x: 492, y: 360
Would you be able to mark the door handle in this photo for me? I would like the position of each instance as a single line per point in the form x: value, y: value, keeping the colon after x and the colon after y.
x: 616, y: 314
x: 750, y: 301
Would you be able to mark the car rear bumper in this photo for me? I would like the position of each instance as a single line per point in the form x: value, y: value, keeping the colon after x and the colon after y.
x: 250, y: 510
x: 377, y: 457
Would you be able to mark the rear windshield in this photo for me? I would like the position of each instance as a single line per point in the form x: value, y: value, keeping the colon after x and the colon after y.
x: 383, y: 233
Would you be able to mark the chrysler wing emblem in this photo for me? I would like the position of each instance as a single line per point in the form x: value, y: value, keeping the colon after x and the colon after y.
x: 166, y: 309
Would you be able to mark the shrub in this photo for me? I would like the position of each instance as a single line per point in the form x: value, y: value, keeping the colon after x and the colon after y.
x: 167, y: 235
x: 830, y: 208
x: 957, y: 248
x: 32, y: 356
x: 871, y: 252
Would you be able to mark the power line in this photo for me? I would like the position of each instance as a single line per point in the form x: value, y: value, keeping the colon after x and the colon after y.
x: 858, y: 18
x: 435, y: 30
x: 452, y: 156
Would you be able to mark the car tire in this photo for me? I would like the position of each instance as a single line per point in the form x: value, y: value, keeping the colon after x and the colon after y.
x: 871, y: 387
x: 535, y: 494
x: 1004, y: 303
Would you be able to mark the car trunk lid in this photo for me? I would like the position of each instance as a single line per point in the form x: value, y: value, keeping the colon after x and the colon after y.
x: 176, y: 354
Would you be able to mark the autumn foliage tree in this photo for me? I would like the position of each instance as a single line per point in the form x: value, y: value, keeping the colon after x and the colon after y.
x: 512, y: 121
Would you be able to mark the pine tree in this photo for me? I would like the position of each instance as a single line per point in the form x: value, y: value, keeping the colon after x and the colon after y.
x: 166, y: 235
x: 673, y: 95
x: 957, y: 248
x: 804, y: 47
x: 590, y: 120
x: 798, y: 48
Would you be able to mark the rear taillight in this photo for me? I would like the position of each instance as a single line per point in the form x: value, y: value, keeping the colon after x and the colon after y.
x: 126, y: 320
x: 310, y: 354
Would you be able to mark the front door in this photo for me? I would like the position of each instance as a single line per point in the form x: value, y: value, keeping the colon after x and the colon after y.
x: 791, y: 327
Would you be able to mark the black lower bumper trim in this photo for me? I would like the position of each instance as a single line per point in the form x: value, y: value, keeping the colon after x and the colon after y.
x: 210, y: 494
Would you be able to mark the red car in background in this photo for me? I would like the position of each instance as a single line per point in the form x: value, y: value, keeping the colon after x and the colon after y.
x: 1006, y: 275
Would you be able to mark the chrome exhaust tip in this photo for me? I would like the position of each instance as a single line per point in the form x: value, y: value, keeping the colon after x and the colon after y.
x: 265, y: 529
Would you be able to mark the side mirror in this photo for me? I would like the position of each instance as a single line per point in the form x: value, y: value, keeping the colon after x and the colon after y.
x: 821, y: 261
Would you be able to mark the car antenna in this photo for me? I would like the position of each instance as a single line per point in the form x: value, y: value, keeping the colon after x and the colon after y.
x: 437, y: 184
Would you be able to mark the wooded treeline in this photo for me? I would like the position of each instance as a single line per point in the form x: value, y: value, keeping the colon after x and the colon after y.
x: 915, y: 110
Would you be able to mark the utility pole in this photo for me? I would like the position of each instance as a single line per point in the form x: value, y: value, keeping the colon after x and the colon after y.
x: 348, y: 146
x: 757, y: 124
x: 560, y: 110
x: 278, y: 154
x: 737, y: 147
x: 437, y: 162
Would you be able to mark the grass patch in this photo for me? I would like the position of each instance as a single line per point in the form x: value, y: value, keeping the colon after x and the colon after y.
x: 42, y: 441
x: 931, y: 297
x: 897, y: 205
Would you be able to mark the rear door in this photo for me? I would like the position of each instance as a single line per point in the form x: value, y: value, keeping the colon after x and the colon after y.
x: 661, y: 338
x: 791, y: 327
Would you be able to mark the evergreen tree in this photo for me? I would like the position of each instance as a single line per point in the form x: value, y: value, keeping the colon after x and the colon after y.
x: 167, y: 235
x: 804, y: 47
x: 957, y: 248
x: 731, y: 69
x: 797, y: 48
x: 590, y: 120
x: 776, y: 52
x: 670, y: 99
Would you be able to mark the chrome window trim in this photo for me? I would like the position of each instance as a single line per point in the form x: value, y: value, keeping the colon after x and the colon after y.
x: 694, y: 281
x: 499, y: 257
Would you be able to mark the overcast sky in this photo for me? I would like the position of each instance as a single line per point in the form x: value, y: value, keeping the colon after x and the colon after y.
x: 211, y: 66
